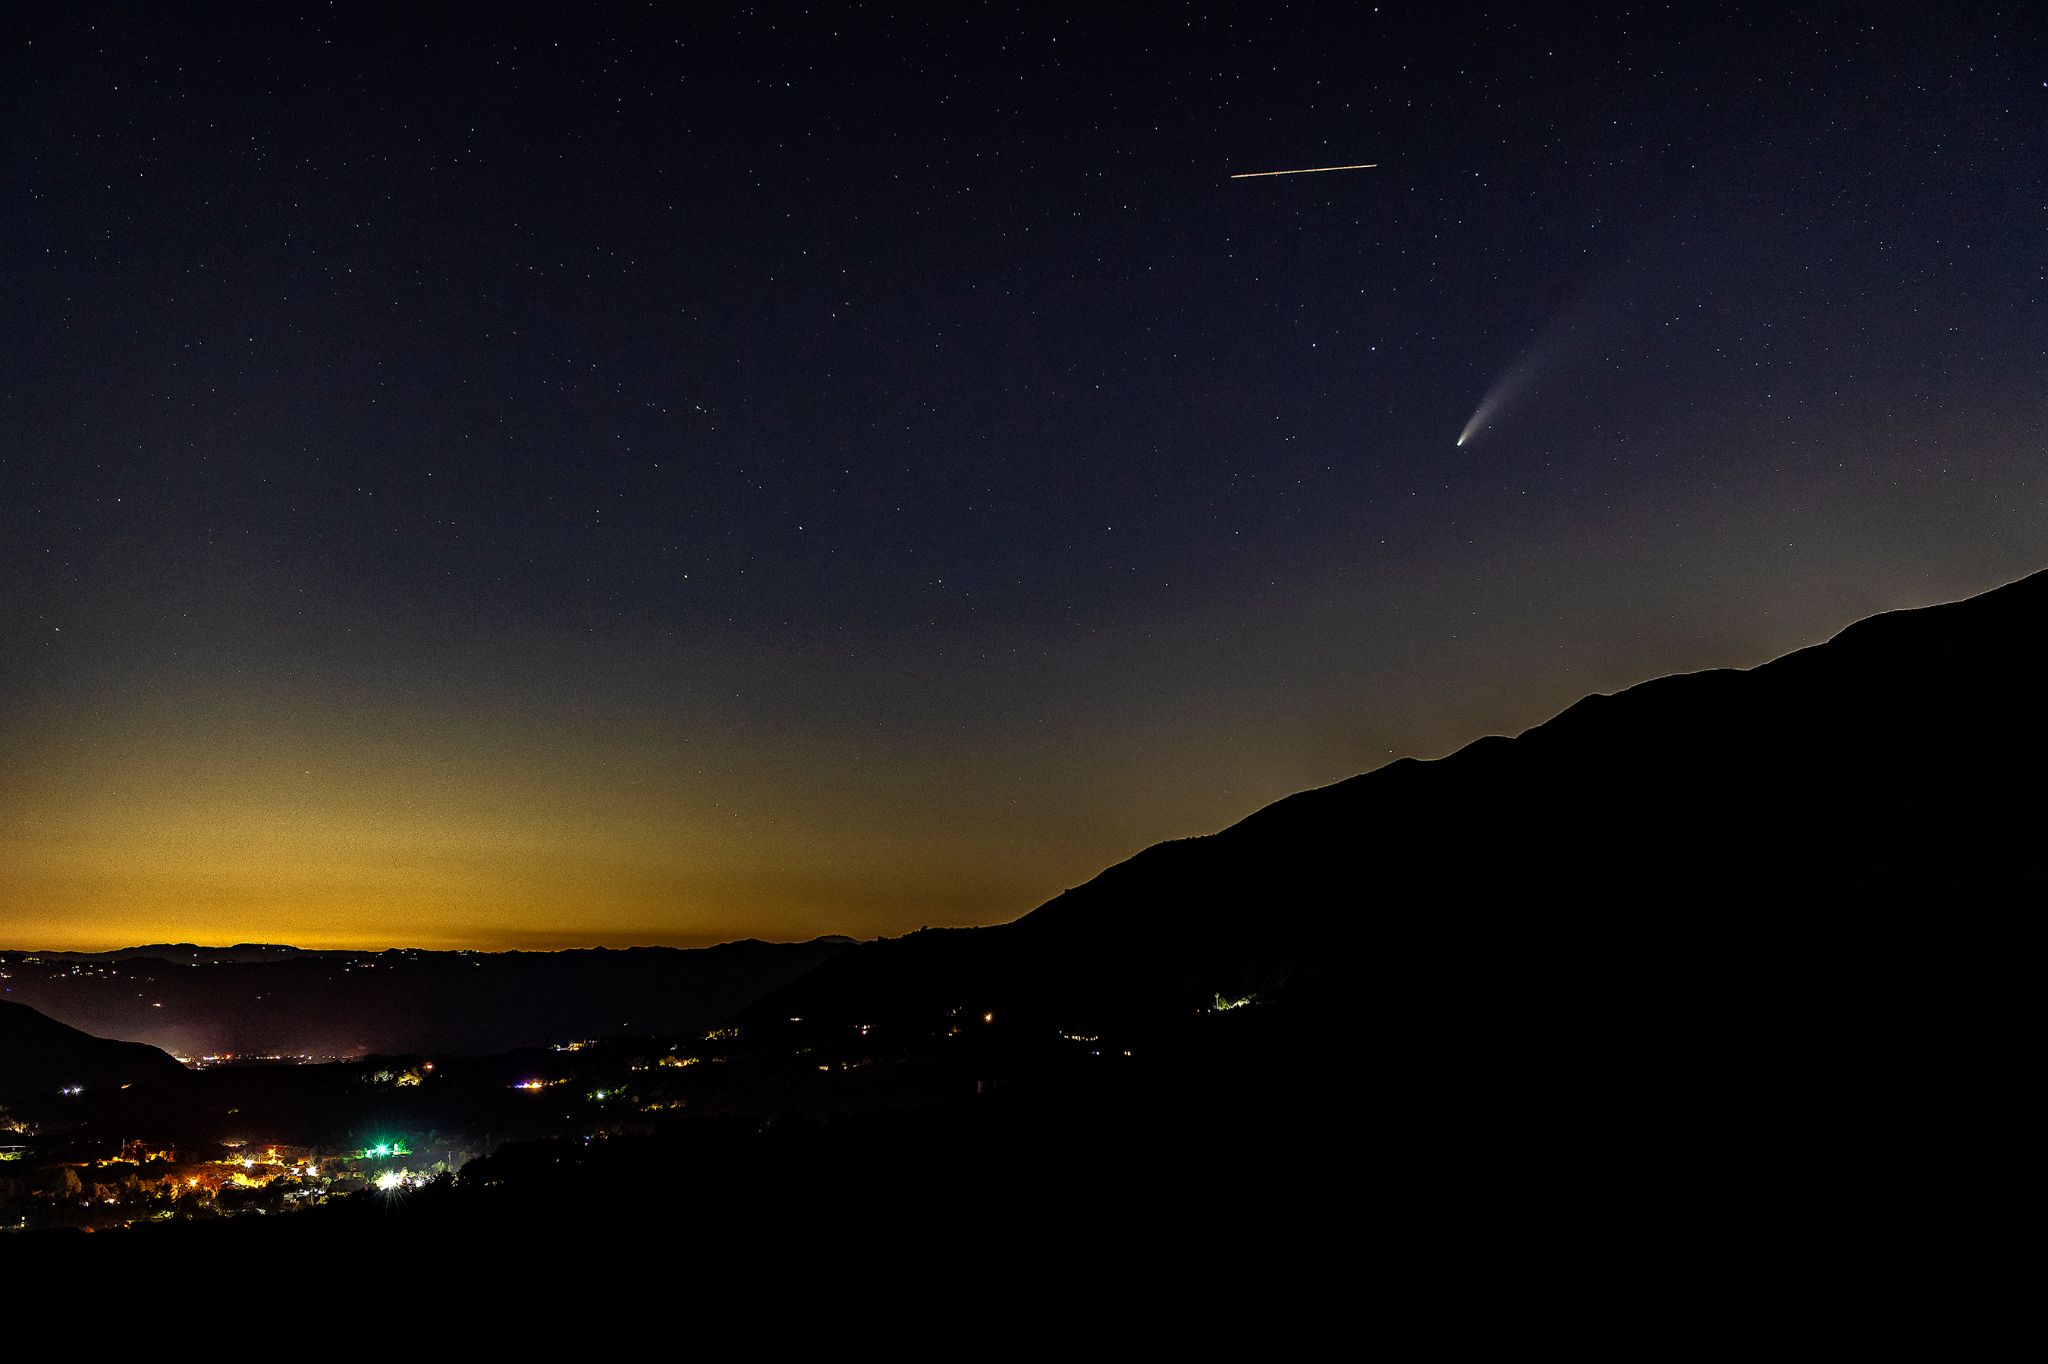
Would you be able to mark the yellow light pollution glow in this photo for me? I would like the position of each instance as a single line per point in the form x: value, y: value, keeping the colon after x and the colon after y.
x: 456, y: 801
x: 138, y: 822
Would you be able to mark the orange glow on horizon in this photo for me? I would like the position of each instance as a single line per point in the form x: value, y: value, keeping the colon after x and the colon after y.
x: 293, y: 825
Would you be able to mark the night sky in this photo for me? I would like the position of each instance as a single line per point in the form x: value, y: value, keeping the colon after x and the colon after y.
x: 660, y: 475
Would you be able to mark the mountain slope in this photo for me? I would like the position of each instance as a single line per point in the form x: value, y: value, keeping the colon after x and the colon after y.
x: 40, y: 1056
x: 1897, y: 770
x: 1726, y: 988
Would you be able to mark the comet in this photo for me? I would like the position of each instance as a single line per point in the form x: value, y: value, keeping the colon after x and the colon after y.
x: 1306, y: 170
x: 1511, y: 386
x: 1563, y: 345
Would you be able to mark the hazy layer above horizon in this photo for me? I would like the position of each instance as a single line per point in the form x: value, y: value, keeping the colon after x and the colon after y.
x: 290, y: 818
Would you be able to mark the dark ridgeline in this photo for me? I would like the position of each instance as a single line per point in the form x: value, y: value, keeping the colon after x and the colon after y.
x: 1690, y: 1007
x: 185, y: 952
x: 1753, y: 840
x: 1732, y: 976
x: 278, y: 1000
x: 40, y: 1056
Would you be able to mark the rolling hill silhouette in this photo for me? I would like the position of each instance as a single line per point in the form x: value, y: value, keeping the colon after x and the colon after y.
x: 40, y: 1056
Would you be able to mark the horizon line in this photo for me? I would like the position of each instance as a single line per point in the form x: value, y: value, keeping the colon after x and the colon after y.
x: 402, y: 947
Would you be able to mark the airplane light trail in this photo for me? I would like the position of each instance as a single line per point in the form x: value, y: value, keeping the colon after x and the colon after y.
x: 1311, y: 170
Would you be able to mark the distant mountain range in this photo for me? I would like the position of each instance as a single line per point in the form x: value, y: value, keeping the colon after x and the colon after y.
x: 187, y: 953
x: 259, y: 999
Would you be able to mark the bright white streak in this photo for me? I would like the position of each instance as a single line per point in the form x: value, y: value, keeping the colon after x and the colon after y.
x: 1311, y: 170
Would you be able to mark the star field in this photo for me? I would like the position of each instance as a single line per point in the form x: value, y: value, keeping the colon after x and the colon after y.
x: 634, y: 475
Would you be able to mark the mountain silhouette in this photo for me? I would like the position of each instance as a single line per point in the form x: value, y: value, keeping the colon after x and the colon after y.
x: 40, y: 1057
x: 1729, y: 975
x: 1877, y: 792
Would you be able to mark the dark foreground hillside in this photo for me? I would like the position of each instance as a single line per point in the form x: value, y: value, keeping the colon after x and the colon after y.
x: 1741, y: 971
x: 1244, y: 1186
